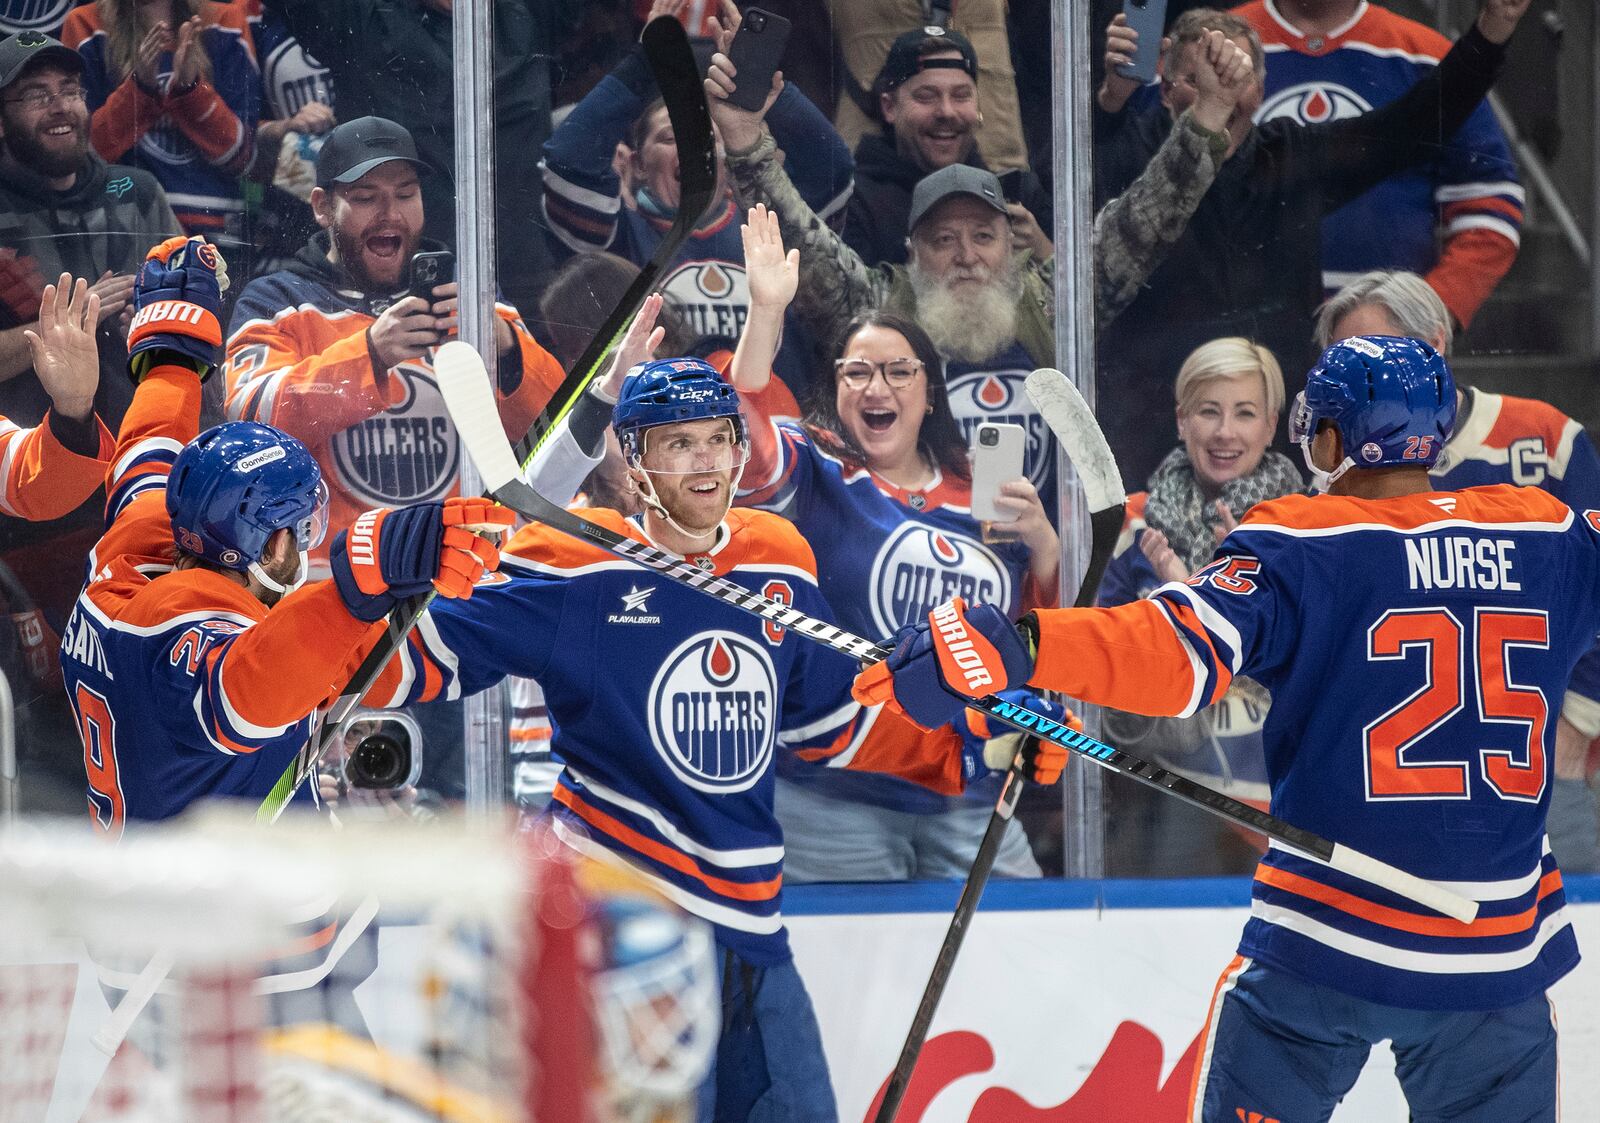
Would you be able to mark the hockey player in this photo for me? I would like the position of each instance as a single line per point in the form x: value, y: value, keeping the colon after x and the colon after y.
x: 1416, y: 645
x: 669, y: 708
x: 194, y: 658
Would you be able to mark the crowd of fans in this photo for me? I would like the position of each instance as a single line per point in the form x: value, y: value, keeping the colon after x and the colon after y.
x: 1302, y: 170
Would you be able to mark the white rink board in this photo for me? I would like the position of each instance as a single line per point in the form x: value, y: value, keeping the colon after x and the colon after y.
x: 1038, y: 996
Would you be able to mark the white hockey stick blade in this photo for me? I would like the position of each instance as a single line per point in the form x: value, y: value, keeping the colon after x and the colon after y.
x: 464, y: 383
x: 1070, y: 419
x: 1375, y: 872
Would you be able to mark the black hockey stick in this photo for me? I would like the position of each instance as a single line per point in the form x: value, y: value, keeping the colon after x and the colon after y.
x: 1069, y: 418
x: 677, y: 75
x: 471, y: 404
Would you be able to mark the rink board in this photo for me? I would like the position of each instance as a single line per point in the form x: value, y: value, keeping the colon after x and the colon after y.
x: 1077, y: 1002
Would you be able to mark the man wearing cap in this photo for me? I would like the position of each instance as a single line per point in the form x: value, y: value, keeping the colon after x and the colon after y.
x: 335, y: 351
x: 927, y: 95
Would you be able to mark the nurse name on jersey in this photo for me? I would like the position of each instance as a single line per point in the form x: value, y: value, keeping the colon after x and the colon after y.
x: 713, y: 710
x: 920, y: 567
x: 1458, y: 562
x: 713, y: 297
x: 997, y: 396
x: 407, y: 454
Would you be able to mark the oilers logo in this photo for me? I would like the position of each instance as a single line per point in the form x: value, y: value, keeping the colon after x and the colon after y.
x: 34, y: 15
x: 919, y: 567
x: 997, y: 395
x: 407, y: 454
x: 1312, y: 103
x: 712, y: 296
x: 713, y: 707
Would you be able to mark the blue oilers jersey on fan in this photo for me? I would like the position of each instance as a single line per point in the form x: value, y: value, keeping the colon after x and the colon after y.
x: 992, y: 391
x: 1371, y: 61
x: 886, y: 558
x: 1416, y: 649
x: 669, y: 707
x: 1503, y: 439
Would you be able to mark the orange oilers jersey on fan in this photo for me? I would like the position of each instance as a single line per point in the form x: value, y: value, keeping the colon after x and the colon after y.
x: 298, y: 359
x: 184, y: 685
x: 42, y: 478
x: 669, y: 707
x: 1416, y: 649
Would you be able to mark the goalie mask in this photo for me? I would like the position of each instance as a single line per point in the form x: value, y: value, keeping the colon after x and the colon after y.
x: 1392, y: 399
x: 236, y: 485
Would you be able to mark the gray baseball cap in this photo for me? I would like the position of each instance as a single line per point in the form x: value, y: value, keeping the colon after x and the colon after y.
x: 20, y: 51
x: 356, y: 147
x: 957, y: 179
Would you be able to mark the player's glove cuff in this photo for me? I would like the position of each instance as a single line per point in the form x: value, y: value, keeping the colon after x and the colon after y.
x: 385, y: 557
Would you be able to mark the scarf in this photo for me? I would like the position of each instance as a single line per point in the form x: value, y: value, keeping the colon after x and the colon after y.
x: 1177, y: 508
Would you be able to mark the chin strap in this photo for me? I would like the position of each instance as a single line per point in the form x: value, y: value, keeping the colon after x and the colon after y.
x: 301, y: 570
x: 647, y: 496
x: 1321, y: 479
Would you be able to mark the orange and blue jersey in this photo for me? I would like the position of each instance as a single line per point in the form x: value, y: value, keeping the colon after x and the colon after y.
x: 184, y: 685
x: 40, y: 477
x: 197, y: 142
x: 669, y: 707
x: 298, y: 359
x: 886, y: 557
x: 1416, y: 649
x: 1469, y: 191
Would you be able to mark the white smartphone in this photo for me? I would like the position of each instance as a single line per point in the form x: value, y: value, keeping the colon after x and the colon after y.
x: 996, y: 455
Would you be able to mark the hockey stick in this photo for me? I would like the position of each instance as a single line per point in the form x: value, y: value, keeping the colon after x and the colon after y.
x: 1072, y: 422
x: 471, y: 405
x: 672, y: 63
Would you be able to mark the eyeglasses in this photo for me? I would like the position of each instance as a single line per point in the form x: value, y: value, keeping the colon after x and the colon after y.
x: 37, y: 99
x: 857, y: 374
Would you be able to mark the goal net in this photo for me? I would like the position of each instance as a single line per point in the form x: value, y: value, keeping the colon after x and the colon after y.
x: 388, y: 972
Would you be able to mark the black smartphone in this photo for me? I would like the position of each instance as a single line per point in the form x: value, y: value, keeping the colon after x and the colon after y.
x: 756, y: 50
x: 430, y: 268
x: 1147, y: 18
x: 1011, y: 185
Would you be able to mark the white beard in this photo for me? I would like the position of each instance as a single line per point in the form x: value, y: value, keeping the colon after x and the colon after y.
x: 970, y: 326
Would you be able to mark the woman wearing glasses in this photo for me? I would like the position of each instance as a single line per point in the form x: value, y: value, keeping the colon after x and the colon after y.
x: 876, y: 478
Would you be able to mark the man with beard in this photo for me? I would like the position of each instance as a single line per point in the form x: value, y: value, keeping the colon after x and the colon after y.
x: 335, y: 351
x: 927, y: 97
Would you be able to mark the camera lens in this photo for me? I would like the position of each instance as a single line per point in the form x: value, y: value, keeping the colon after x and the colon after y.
x: 757, y: 21
x: 378, y: 761
x: 988, y: 437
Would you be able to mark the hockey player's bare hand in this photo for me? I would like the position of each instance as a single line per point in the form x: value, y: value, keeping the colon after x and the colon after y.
x: 405, y: 330
x: 1499, y: 18
x: 65, y: 356
x: 773, y: 275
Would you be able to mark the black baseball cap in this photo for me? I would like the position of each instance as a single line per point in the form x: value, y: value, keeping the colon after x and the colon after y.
x: 906, y: 59
x: 957, y: 179
x: 20, y: 51
x: 356, y: 147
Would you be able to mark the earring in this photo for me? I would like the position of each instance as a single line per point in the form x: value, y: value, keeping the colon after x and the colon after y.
x: 980, y: 118
x: 929, y: 410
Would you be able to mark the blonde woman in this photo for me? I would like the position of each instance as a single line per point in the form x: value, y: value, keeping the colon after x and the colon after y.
x: 1229, y: 401
x: 173, y: 88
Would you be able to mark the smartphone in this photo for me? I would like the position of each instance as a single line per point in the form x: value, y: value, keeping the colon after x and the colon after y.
x: 996, y: 455
x: 756, y: 50
x: 1011, y: 185
x: 430, y: 268
x: 1147, y: 17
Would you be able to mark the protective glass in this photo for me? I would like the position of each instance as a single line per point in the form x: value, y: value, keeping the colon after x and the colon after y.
x: 856, y: 374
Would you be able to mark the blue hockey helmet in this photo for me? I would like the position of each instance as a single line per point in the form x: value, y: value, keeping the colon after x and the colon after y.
x: 235, y: 485
x: 1392, y: 399
x: 665, y: 391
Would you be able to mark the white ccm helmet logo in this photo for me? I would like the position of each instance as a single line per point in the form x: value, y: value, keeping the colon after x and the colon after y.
x: 920, y: 567
x: 713, y: 712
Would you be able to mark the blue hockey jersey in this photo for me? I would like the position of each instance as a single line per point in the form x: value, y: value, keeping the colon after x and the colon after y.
x: 1416, y: 649
x: 1469, y: 189
x: 669, y: 707
x: 183, y: 684
x: 886, y: 558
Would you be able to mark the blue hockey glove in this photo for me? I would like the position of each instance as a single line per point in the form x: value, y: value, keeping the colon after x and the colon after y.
x: 990, y: 746
x: 177, y: 299
x: 388, y: 556
x: 973, y: 653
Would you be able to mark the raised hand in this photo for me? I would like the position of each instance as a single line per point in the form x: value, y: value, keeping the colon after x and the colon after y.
x: 147, y: 64
x: 1499, y: 18
x: 177, y: 302
x: 740, y: 128
x: 772, y: 274
x: 1223, y: 75
x: 188, y: 55
x: 1122, y: 43
x: 65, y: 356
x: 725, y: 25
x: 637, y: 346
x: 1161, y: 556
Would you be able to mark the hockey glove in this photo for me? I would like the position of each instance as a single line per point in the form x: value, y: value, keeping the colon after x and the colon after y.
x: 177, y: 299
x: 992, y: 746
x: 936, y: 665
x: 388, y: 556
